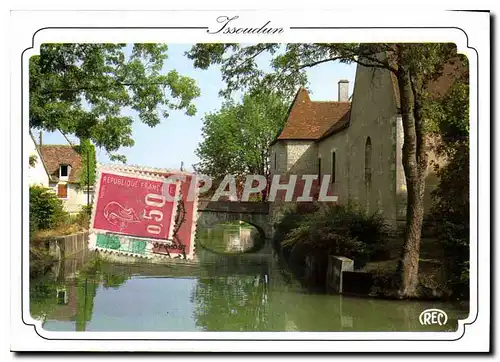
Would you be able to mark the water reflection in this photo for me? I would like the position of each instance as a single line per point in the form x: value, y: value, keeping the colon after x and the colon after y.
x: 231, y: 303
x: 235, y: 237
x: 67, y: 293
x: 223, y: 293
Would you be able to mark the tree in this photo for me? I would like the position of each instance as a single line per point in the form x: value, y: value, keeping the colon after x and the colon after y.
x: 83, y: 89
x: 46, y: 210
x: 451, y: 197
x: 412, y: 65
x: 236, y: 138
x: 87, y: 151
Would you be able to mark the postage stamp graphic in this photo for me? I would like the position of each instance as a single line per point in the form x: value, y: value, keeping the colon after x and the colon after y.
x: 134, y: 206
x: 144, y: 212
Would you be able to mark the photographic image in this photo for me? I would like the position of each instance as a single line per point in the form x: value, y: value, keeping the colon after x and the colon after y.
x: 255, y: 178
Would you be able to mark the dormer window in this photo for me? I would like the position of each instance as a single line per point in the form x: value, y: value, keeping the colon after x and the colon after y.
x: 64, y: 171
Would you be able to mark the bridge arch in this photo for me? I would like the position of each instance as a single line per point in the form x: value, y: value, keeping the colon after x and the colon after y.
x: 256, y: 214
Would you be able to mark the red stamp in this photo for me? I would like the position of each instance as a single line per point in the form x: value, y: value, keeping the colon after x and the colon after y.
x: 184, y: 239
x: 135, y: 205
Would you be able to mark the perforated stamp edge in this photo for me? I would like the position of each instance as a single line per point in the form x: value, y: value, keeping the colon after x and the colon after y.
x: 161, y: 172
x: 142, y: 173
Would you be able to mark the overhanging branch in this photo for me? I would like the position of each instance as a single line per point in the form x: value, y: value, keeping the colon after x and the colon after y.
x: 103, y: 87
x: 312, y: 64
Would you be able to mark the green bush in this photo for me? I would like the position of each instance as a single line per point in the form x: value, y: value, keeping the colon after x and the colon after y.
x: 320, y: 230
x: 46, y: 210
x: 339, y: 230
x: 290, y: 218
x: 83, y: 217
x: 451, y: 215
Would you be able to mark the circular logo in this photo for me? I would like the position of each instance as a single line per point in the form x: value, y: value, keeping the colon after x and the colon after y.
x: 433, y: 316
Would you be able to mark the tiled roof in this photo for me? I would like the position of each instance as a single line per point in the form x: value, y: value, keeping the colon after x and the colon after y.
x: 56, y: 155
x: 309, y: 120
x: 344, y: 122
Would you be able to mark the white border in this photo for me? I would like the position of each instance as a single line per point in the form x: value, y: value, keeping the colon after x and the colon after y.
x: 468, y: 29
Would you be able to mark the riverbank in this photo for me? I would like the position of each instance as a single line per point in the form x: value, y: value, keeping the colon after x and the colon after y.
x: 307, y: 237
x: 49, y: 247
x: 432, y: 274
x: 379, y: 276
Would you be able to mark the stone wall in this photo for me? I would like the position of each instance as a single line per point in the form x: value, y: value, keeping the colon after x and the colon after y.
x: 366, y: 151
x: 293, y: 157
x: 400, y: 173
x: 302, y: 157
x: 64, y: 246
x: 254, y: 213
x: 431, y: 178
x: 368, y: 154
x: 373, y: 120
x: 296, y: 157
x: 338, y: 143
x: 278, y: 158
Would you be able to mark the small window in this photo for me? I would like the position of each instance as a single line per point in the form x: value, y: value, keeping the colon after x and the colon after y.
x: 62, y: 296
x: 64, y: 171
x: 333, y: 167
x: 319, y: 169
x: 62, y: 191
x: 275, y: 161
x: 368, y: 163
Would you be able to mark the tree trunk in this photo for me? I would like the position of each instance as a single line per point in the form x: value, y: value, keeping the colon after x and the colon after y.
x: 414, y: 163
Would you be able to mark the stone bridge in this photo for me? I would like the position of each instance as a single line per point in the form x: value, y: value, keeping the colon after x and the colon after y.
x: 254, y: 213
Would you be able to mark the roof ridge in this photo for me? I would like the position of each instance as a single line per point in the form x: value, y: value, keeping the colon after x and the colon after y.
x: 330, y: 101
x: 56, y: 144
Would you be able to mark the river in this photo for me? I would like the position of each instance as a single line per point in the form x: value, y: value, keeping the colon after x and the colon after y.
x: 236, y: 292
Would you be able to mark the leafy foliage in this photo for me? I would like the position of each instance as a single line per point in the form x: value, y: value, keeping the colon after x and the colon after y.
x: 287, y: 221
x: 43, y: 297
x: 414, y: 66
x: 46, y: 210
x: 237, y: 137
x: 451, y: 198
x: 289, y: 62
x: 83, y: 89
x: 32, y: 160
x: 83, y: 217
x: 87, y: 151
x: 339, y: 230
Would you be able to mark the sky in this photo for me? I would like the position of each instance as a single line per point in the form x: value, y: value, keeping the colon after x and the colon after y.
x: 175, y: 139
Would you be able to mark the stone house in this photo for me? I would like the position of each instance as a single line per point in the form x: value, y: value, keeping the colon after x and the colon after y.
x: 64, y: 167
x: 357, y: 141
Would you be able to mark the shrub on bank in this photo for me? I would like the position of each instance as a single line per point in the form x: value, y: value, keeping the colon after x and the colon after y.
x: 339, y: 230
x: 330, y: 230
x: 83, y: 217
x: 46, y: 210
x: 287, y: 221
x: 451, y: 215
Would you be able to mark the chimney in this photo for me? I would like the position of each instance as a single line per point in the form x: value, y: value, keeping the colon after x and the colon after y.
x: 343, y: 90
x: 40, y: 140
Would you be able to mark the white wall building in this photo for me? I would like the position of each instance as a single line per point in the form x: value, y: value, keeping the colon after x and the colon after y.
x: 37, y: 173
x: 60, y: 167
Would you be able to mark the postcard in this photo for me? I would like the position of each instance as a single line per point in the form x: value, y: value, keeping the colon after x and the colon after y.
x: 250, y: 181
